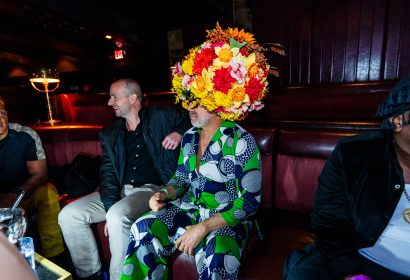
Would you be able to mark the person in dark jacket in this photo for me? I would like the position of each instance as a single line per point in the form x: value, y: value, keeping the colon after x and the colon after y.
x: 139, y: 154
x: 361, y: 216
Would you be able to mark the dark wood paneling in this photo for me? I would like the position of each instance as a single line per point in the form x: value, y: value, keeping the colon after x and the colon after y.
x: 337, y: 41
x: 394, y: 36
x: 378, y: 43
x: 340, y: 39
x: 404, y: 49
x: 352, y: 36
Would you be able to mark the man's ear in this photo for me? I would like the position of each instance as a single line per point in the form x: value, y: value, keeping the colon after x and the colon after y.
x: 133, y: 98
x: 397, y: 122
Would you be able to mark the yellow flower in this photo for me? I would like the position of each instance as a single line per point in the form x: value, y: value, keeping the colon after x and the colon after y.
x: 225, y: 54
x: 251, y: 65
x: 202, y: 85
x: 199, y: 83
x: 222, y: 99
x: 187, y: 66
x: 197, y: 93
x: 229, y: 116
x: 208, y: 103
x: 204, y: 82
x: 185, y: 104
x: 188, y: 62
x: 177, y: 83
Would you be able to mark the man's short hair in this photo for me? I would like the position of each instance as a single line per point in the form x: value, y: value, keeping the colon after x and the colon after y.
x: 396, y: 103
x: 132, y: 87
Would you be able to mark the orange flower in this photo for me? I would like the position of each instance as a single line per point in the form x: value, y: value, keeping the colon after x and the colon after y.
x: 225, y: 55
x: 219, y: 34
x: 253, y: 70
x: 238, y: 93
x: 200, y: 83
x: 240, y: 36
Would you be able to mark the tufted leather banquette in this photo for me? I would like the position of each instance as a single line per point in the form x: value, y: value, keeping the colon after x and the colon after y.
x: 291, y: 161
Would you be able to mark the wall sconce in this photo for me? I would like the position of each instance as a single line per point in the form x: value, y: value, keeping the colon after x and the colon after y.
x: 46, y: 80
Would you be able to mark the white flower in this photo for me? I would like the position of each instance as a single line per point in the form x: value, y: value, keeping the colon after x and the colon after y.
x: 187, y: 81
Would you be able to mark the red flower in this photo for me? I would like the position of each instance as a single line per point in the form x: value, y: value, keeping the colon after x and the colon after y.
x: 243, y: 52
x: 223, y: 79
x: 202, y: 60
x: 254, y: 88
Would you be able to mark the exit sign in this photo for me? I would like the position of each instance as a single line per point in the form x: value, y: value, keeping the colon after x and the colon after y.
x: 119, y: 54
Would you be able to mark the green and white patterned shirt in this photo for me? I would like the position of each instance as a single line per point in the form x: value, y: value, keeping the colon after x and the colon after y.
x: 229, y: 178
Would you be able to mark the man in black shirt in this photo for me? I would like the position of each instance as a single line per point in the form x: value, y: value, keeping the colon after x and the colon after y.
x: 23, y: 168
x: 139, y: 155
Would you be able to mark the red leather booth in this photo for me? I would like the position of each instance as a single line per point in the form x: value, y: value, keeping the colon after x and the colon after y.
x: 294, y: 146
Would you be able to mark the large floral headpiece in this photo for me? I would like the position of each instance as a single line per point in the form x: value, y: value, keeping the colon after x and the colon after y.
x: 227, y: 74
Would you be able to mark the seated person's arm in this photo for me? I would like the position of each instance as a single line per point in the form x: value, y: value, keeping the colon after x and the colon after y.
x: 110, y: 190
x: 158, y: 199
x: 38, y: 175
x: 175, y: 188
x: 248, y: 182
x: 330, y: 216
x: 180, y: 123
x: 196, y: 233
x: 172, y: 140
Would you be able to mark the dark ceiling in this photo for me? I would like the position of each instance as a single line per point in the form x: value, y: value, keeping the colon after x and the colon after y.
x: 69, y: 36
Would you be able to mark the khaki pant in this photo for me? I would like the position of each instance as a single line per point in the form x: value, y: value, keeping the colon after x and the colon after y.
x: 75, y: 220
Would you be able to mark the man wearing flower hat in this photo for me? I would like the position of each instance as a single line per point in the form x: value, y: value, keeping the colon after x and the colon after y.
x: 206, y: 208
x: 361, y: 216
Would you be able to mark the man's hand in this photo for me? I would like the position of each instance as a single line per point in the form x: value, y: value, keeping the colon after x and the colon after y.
x: 191, y: 238
x: 157, y: 201
x: 171, y: 141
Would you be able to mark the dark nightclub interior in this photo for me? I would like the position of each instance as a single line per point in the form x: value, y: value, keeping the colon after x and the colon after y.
x: 342, y: 58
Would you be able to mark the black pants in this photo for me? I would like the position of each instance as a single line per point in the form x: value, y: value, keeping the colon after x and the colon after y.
x: 308, y: 263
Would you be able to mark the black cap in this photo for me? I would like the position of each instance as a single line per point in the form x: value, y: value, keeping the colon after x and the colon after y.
x: 396, y: 103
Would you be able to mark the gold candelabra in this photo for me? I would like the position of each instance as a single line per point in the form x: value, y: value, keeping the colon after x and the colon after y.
x: 47, y: 80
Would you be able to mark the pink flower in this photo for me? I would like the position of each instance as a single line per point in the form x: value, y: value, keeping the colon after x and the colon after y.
x: 187, y: 81
x: 177, y: 71
x: 218, y: 44
x: 238, y: 71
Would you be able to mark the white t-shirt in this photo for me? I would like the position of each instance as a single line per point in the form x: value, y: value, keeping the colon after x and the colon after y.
x: 392, y: 249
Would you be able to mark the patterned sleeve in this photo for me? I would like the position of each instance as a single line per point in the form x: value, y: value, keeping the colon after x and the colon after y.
x: 248, y: 181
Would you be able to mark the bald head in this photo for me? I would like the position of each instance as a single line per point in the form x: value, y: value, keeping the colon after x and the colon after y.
x: 130, y: 86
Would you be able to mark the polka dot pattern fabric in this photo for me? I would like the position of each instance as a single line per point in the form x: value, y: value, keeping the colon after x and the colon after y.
x: 227, y: 181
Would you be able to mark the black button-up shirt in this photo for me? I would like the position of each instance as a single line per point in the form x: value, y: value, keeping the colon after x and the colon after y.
x: 140, y: 167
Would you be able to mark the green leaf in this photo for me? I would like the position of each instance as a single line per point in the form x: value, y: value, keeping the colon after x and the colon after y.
x: 235, y: 44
